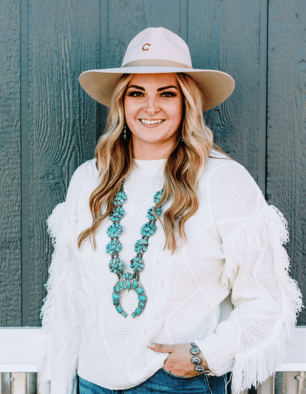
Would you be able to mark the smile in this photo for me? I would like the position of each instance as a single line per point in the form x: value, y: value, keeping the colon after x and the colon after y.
x: 146, y: 121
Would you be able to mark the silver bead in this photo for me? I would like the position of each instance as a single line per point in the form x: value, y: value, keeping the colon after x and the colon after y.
x: 194, y: 350
x: 201, y: 369
x: 196, y: 360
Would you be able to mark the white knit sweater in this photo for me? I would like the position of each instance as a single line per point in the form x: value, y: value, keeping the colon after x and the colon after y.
x: 226, y: 289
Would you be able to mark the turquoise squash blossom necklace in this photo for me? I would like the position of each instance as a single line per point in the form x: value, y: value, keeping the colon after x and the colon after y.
x: 126, y: 280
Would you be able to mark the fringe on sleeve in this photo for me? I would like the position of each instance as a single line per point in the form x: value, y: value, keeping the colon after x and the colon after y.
x: 59, y: 230
x: 254, y: 366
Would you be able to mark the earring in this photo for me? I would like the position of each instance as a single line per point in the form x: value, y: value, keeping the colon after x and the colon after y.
x: 124, y: 132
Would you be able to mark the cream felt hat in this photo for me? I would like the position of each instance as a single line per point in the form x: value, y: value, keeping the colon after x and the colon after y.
x: 157, y: 50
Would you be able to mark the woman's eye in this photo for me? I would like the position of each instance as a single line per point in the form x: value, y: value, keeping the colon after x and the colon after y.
x: 141, y: 94
x: 135, y: 94
x: 168, y: 94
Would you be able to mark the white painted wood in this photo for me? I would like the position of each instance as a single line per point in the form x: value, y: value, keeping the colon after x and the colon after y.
x: 296, y: 351
x: 18, y: 368
x: 18, y: 354
x: 292, y: 367
x: 19, y: 381
x: 18, y: 346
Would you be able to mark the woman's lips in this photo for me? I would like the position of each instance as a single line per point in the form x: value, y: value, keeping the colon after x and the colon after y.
x: 151, y: 123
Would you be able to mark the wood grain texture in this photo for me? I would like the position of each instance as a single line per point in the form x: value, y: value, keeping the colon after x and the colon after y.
x: 290, y: 383
x: 267, y: 387
x: 64, y: 40
x: 10, y: 179
x: 68, y: 37
x: 128, y: 18
x: 286, y: 186
x: 224, y: 35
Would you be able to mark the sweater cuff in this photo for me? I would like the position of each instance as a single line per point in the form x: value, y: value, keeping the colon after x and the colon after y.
x: 64, y: 387
x: 219, y: 353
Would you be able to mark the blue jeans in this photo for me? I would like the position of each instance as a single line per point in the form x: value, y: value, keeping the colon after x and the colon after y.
x: 163, y: 382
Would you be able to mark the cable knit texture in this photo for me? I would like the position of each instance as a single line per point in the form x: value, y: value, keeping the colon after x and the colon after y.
x: 227, y: 288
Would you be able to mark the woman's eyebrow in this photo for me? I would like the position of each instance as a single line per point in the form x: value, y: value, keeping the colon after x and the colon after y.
x: 159, y: 89
x: 167, y: 87
x: 136, y: 87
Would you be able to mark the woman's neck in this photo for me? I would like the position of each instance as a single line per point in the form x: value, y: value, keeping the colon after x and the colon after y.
x: 152, y: 151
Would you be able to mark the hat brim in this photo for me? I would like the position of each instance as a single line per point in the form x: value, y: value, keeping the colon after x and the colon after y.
x: 215, y: 86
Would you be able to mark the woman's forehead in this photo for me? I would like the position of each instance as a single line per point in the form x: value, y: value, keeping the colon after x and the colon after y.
x: 155, y: 79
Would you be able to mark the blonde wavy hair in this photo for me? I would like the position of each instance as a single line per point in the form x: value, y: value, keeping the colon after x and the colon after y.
x: 182, y: 170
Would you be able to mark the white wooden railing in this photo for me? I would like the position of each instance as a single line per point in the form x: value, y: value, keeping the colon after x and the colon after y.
x: 18, y: 364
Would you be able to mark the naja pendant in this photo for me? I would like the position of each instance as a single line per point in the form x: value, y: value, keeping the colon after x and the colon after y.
x: 128, y: 282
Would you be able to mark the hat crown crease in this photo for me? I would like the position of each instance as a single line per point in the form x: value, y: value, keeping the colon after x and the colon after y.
x: 157, y: 44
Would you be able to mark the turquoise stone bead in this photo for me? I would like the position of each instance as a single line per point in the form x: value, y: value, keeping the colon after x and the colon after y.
x: 158, y: 196
x: 127, y: 280
x: 117, y: 214
x: 138, y: 311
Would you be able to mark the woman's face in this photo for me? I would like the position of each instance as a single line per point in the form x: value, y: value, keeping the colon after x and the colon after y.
x: 153, y: 107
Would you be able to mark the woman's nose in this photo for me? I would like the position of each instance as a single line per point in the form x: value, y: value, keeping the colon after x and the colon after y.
x: 151, y: 106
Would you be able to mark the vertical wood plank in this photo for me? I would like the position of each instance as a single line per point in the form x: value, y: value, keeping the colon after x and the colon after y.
x: 10, y: 179
x: 24, y: 115
x: 286, y: 186
x: 31, y: 383
x: 126, y: 19
x: 19, y: 382
x: 262, y: 111
x: 103, y: 63
x: 290, y: 383
x: 224, y: 35
x: 267, y: 387
x: 6, y: 383
x: 183, y: 32
x: 64, y: 40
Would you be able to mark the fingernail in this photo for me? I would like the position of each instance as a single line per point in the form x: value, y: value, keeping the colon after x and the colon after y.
x: 152, y: 344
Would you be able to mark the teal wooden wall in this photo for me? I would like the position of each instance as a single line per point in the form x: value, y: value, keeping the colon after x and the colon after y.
x: 49, y: 125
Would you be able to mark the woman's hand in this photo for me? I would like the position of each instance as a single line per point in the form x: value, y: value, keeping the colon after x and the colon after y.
x: 179, y: 360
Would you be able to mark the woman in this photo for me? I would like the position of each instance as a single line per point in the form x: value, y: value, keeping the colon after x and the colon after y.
x: 168, y: 270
